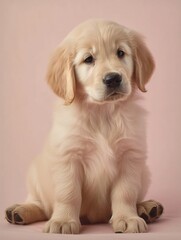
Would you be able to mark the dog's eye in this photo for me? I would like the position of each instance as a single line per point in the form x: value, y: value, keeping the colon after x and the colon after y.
x: 120, y: 53
x: 89, y: 59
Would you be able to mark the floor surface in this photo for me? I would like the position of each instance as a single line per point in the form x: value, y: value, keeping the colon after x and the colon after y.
x: 167, y: 228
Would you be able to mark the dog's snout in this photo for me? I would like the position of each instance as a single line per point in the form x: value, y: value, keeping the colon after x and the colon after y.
x: 112, y: 80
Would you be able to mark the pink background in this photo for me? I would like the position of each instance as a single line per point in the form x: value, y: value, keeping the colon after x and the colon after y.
x: 30, y: 30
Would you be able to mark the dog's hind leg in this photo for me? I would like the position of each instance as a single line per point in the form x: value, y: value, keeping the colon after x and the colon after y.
x: 149, y: 210
x: 24, y: 214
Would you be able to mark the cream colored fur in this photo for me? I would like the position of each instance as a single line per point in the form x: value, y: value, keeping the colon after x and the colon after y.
x: 94, y: 162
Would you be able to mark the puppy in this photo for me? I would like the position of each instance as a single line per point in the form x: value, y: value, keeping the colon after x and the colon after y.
x: 93, y: 167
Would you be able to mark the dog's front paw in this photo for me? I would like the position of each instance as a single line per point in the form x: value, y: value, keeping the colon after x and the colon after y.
x: 64, y: 227
x: 129, y: 225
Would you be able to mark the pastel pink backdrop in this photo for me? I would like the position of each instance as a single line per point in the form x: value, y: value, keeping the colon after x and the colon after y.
x: 30, y: 31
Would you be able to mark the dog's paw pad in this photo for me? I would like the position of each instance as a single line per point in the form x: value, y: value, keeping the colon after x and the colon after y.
x: 145, y: 217
x: 153, y: 212
x: 17, y: 218
x: 150, y: 210
x: 9, y: 216
x: 12, y: 215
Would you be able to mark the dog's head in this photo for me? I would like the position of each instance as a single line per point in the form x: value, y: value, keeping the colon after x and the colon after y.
x: 100, y: 61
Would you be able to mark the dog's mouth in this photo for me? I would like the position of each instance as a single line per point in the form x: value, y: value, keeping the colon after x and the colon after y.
x: 110, y: 95
x: 115, y: 95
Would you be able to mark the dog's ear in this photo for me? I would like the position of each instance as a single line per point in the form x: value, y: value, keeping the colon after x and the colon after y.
x: 143, y: 62
x: 60, y: 75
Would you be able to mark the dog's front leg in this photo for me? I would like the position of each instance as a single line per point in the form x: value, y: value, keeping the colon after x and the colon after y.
x: 67, y: 180
x: 125, y: 195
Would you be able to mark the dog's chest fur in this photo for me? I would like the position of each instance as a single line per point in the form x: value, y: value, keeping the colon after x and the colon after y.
x: 103, y: 137
x: 97, y: 137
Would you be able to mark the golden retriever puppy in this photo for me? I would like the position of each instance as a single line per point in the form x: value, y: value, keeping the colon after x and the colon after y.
x: 93, y: 166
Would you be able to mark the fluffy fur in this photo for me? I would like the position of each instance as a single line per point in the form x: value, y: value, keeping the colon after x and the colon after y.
x: 93, y: 165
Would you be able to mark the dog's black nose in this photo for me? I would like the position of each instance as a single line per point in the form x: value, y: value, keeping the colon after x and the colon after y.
x: 112, y: 80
